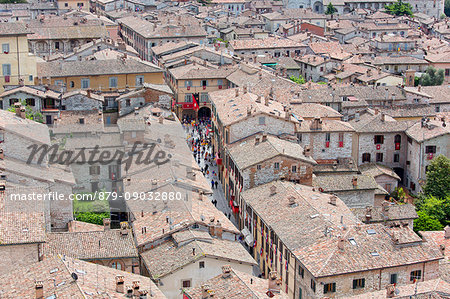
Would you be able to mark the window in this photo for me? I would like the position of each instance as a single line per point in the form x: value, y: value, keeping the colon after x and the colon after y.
x: 294, y: 168
x: 85, y: 83
x: 139, y: 80
x: 396, y: 158
x: 276, y: 165
x: 94, y: 186
x: 81, y: 121
x: 66, y: 4
x: 258, y: 167
x: 112, y: 82
x: 341, y: 139
x: 72, y: 84
x: 116, y: 265
x: 127, y: 102
x: 301, y: 271
x: 188, y: 98
x: 430, y: 149
x: 201, y: 265
x: 186, y: 283
x: 30, y: 78
x: 378, y: 139
x: 5, y: 48
x: 329, y: 288
x: 262, y: 120
x: 6, y: 69
x: 94, y: 170
x: 300, y: 293
x: 30, y: 102
x: 415, y: 275
x: 394, y: 278
x: 57, y: 45
x: 13, y: 101
x: 220, y: 82
x: 299, y: 137
x: 187, y: 83
x: 327, y: 137
x: 313, y: 285
x: 204, y: 97
x: 204, y: 83
x: 379, y: 157
x: 80, y: 4
x: 359, y: 283
x: 366, y: 157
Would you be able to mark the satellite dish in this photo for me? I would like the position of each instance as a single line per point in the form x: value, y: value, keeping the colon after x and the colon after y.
x: 74, y: 276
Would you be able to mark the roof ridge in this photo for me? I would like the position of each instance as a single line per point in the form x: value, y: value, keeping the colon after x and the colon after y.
x: 245, y: 284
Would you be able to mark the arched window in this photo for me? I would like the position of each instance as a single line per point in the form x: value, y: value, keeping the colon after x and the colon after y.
x: 116, y: 265
x: 398, y: 138
x: 366, y: 157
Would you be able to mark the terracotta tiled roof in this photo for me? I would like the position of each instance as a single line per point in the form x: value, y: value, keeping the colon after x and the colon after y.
x: 267, y: 43
x: 431, y: 130
x: 168, y: 257
x: 343, y: 182
x: 246, y: 153
x: 393, y: 212
x: 93, y: 281
x: 235, y: 286
x: 25, y: 128
x: 91, y: 245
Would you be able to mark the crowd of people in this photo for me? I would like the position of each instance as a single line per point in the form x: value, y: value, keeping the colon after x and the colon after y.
x: 199, y: 139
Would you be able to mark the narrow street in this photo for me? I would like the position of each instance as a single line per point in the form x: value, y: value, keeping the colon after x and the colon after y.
x: 194, y: 133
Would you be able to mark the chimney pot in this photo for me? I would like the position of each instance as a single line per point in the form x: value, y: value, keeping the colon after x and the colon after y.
x: 218, y: 230
x: 274, y: 283
x: 120, y: 284
x: 341, y: 243
x: 273, y: 190
x: 106, y: 223
x: 447, y: 232
x: 256, y: 140
x: 355, y: 181
x: 39, y: 289
x: 136, y: 286
x: 237, y: 92
x: 226, y: 271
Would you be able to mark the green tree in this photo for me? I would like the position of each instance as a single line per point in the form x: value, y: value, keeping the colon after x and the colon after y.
x: 438, y: 178
x: 298, y: 80
x: 12, y: 1
x: 447, y: 8
x: 399, y: 9
x: 399, y: 194
x: 426, y: 222
x: 330, y: 9
x: 29, y: 113
x: 432, y: 77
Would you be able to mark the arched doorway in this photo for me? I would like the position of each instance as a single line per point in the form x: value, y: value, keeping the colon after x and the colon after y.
x: 204, y: 112
x: 318, y: 7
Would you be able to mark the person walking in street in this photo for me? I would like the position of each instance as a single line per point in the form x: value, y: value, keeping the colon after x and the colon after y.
x: 212, y: 184
x: 216, y: 183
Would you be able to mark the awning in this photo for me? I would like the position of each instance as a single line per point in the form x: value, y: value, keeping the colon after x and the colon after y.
x: 245, y: 232
x: 249, y: 240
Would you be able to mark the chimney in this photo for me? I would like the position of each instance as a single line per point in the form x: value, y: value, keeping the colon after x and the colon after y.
x: 211, y: 227
x: 368, y: 214
x: 273, y: 190
x: 287, y: 114
x: 249, y: 111
x: 17, y: 108
x: 369, y: 72
x: 124, y: 228
x: 260, y: 75
x: 218, y: 230
x: 258, y: 99
x: 88, y: 93
x: 226, y: 271
x: 245, y: 88
x: 355, y: 182
x: 39, y: 285
x: 106, y: 223
x: 442, y: 248
x: 136, y: 288
x: 120, y: 284
x: 341, y: 243
x: 237, y: 92
x: 129, y: 293
x: 22, y: 112
x: 447, y: 232
x: 2, y: 155
x: 274, y: 282
x: 266, y: 101
x: 256, y: 140
x: 307, y: 151
x: 161, y: 119
x: 316, y: 124
x: 418, y: 88
x: 390, y: 291
x: 383, y: 117
x: 190, y: 174
x: 333, y: 200
x: 205, y: 291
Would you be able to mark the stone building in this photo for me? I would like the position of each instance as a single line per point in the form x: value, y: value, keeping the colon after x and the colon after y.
x: 327, y: 139
x: 20, y: 166
x: 426, y: 140
x: 112, y: 247
x: 260, y: 159
x: 380, y: 139
x: 320, y: 249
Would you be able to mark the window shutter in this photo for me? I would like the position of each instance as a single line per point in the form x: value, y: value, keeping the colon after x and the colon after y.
x: 354, y: 283
x: 363, y: 284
